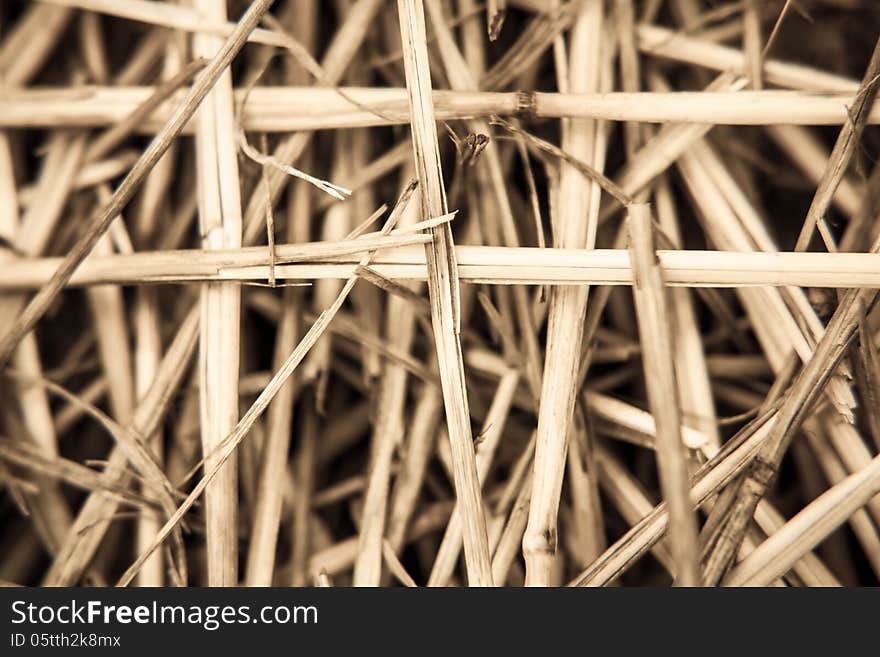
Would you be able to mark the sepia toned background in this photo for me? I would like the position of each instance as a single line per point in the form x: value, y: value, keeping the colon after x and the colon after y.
x: 439, y: 293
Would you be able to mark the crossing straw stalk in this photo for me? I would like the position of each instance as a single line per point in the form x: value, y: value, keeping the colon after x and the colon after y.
x: 439, y: 293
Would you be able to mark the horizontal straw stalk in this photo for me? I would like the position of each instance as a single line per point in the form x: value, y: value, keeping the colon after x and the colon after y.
x: 493, y: 265
x: 288, y: 109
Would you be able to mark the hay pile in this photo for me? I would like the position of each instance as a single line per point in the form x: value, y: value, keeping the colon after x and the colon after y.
x: 439, y: 292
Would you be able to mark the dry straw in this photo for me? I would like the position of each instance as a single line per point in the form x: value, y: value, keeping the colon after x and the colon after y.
x: 619, y: 326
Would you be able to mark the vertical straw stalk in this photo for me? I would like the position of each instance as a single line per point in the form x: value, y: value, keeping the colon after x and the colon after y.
x: 576, y: 225
x: 656, y: 339
x: 151, y: 202
x: 387, y: 436
x: 261, y: 555
x: 220, y: 226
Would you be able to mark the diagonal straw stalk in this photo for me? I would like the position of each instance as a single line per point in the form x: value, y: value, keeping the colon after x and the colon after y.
x: 231, y: 442
x: 844, y: 148
x: 808, y: 528
x: 490, y: 172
